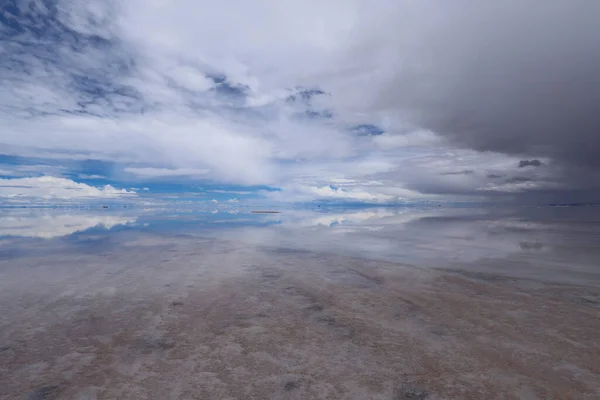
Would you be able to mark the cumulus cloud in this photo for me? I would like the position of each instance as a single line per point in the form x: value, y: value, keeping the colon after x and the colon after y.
x: 356, y: 193
x: 407, y: 93
x: 48, y: 187
x: 328, y: 192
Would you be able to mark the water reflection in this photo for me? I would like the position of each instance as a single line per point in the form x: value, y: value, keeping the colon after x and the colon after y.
x: 556, y: 244
x: 549, y: 243
x: 48, y: 224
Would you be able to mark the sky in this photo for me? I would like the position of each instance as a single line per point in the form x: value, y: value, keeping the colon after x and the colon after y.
x: 384, y: 101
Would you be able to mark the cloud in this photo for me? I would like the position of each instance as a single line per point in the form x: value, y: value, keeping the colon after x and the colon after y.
x: 530, y: 163
x: 515, y: 186
x: 405, y: 94
x: 411, y: 139
x: 511, y: 77
x: 48, y: 187
x: 27, y: 170
x: 463, y: 172
x: 149, y: 172
x: 518, y: 179
x: 327, y: 192
x: 241, y: 192
x: 303, y: 193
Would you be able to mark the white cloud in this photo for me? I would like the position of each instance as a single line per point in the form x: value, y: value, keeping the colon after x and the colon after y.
x: 342, y: 181
x: 186, y: 127
x: 300, y: 193
x: 156, y: 98
x: 16, y: 170
x: 516, y: 187
x: 230, y: 191
x: 331, y: 193
x: 412, y: 139
x: 190, y: 78
x: 150, y: 172
x: 48, y: 187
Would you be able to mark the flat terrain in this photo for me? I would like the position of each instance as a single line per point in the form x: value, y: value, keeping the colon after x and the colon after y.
x: 166, y: 317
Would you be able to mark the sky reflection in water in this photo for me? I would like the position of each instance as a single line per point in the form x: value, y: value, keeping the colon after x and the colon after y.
x: 552, y: 244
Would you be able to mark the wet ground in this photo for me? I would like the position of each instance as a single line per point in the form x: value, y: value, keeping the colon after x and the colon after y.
x: 380, y: 304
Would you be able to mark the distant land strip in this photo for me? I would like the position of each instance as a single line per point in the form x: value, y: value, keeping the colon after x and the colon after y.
x: 265, y: 212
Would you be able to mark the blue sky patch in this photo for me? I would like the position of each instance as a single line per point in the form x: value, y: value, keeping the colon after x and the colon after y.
x: 367, y: 130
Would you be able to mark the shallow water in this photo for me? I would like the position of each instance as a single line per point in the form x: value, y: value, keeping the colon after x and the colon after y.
x: 338, y: 303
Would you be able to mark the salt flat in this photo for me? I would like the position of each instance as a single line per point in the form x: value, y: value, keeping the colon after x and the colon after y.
x: 354, y: 305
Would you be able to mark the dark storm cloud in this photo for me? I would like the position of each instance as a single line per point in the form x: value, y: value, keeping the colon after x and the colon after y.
x: 519, y: 179
x: 530, y: 163
x: 463, y: 172
x: 520, y: 77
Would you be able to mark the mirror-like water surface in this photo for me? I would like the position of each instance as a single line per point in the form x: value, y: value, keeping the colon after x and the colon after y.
x: 308, y: 303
